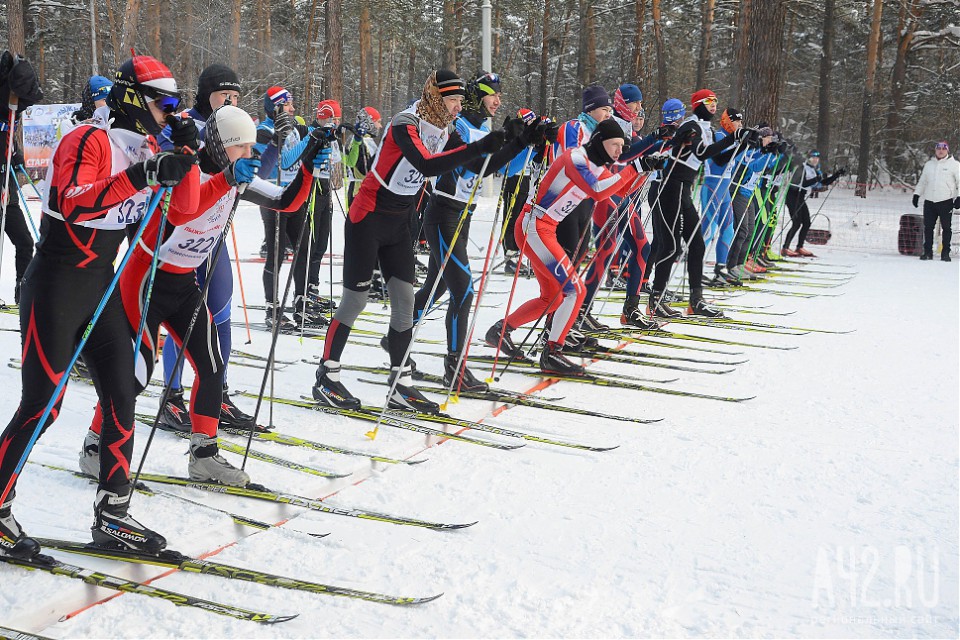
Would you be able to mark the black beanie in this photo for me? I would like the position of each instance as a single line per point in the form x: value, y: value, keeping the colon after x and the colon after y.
x: 606, y: 130
x: 216, y: 77
x: 449, y: 84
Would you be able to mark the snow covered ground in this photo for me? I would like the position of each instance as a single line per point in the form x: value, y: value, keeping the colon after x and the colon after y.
x: 825, y: 507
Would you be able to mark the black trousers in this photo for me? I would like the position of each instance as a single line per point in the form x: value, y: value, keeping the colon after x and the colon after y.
x: 799, y: 218
x: 17, y: 230
x: 677, y: 220
x: 56, y: 304
x: 322, y: 220
x: 933, y: 211
x: 289, y: 227
x: 521, y: 186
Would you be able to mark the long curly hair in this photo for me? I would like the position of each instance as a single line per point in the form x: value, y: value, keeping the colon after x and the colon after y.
x: 431, y: 107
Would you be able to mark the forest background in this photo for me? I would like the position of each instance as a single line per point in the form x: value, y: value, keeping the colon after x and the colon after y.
x: 871, y: 84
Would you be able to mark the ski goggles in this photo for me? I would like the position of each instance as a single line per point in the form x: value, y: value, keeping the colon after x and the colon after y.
x: 489, y: 83
x: 164, y: 101
x: 942, y: 145
x: 712, y: 100
x: 814, y: 154
x: 641, y: 114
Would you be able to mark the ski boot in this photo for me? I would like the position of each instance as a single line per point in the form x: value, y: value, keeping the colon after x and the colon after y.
x: 926, y: 256
x: 658, y: 307
x: 114, y: 527
x: 318, y: 301
x: 615, y: 283
x: 14, y: 542
x: 944, y: 255
x: 175, y: 416
x: 589, y: 323
x: 207, y: 465
x: 803, y: 253
x: 306, y: 315
x: 507, y: 345
x: 231, y: 415
x: 285, y: 323
x: 462, y: 380
x: 728, y: 276
x: 632, y: 317
x: 263, y: 250
x: 578, y: 340
x: 329, y: 390
x: 700, y: 308
x: 788, y: 252
x: 405, y: 395
x: 552, y: 360
x: 90, y: 455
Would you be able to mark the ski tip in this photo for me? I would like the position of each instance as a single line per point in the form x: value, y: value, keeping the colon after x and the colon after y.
x: 602, y: 449
x: 413, y: 462
x: 318, y: 535
x: 274, y: 619
x: 424, y: 600
x: 451, y: 527
x: 743, y: 399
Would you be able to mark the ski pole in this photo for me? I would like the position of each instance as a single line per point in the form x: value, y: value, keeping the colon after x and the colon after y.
x: 154, y: 260
x: 372, y: 434
x: 26, y: 211
x: 243, y: 297
x: 64, y: 376
x: 181, y: 354
x: 310, y: 207
x: 12, y: 103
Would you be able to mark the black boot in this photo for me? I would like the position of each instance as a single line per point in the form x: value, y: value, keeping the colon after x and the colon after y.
x: 113, y: 526
x: 700, y: 308
x: 329, y: 390
x: 285, y: 323
x: 231, y: 415
x: 14, y: 542
x: 657, y: 307
x: 632, y: 317
x: 507, y: 346
x: 926, y: 256
x: 464, y: 380
x: 175, y: 416
x: 552, y: 360
x: 588, y: 323
x: 406, y: 396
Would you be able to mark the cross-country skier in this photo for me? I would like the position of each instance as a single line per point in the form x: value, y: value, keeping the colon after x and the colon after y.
x: 802, y: 180
x: 99, y: 181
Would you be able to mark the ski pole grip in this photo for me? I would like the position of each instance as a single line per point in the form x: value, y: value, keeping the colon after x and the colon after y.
x: 13, y: 101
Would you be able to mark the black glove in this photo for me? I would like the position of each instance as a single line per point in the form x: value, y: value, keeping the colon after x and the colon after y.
x: 532, y: 132
x: 514, y: 127
x: 318, y: 139
x: 16, y: 159
x: 663, y: 132
x: 165, y: 169
x: 916, y: 201
x: 956, y: 203
x: 782, y: 148
x: 741, y: 134
x: 183, y: 133
x: 839, y: 173
x: 686, y: 136
x: 346, y: 127
x: 282, y: 126
x: 492, y: 142
x: 552, y: 131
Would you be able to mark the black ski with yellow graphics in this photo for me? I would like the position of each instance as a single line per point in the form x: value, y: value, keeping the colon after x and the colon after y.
x: 107, y: 581
x: 259, y: 492
x: 175, y: 560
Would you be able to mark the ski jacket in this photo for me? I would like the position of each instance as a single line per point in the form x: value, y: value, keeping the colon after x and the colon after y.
x: 411, y: 148
x: 573, y: 133
x: 805, y: 177
x: 939, y: 180
x: 701, y: 146
x: 748, y: 172
x: 572, y: 178
x: 187, y: 244
x: 89, y: 198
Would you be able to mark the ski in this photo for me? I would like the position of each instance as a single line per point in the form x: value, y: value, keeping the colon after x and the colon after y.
x: 256, y: 356
x: 175, y: 560
x: 233, y: 447
x: 373, y: 415
x: 6, y: 633
x: 738, y: 324
x: 629, y: 337
x: 259, y: 492
x: 107, y: 581
x: 737, y: 321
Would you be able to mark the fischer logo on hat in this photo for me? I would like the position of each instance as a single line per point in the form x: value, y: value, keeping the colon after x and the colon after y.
x: 327, y: 109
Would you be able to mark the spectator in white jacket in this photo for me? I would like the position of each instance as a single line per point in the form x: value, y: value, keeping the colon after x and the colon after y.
x: 939, y: 188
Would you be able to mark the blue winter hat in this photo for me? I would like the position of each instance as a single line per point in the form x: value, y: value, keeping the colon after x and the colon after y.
x: 99, y: 87
x: 595, y: 97
x: 672, y: 111
x: 631, y: 93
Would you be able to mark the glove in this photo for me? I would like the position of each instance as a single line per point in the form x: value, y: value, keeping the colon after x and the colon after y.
x: 358, y: 131
x: 782, y: 148
x: 552, y: 131
x: 532, y: 132
x: 646, y: 163
x: 165, y: 169
x: 514, y: 127
x: 242, y: 171
x: 321, y: 157
x: 492, y: 142
x: 956, y: 203
x: 838, y: 173
x: 663, y: 132
x: 916, y: 201
x: 183, y: 133
x: 16, y: 160
x: 686, y: 136
x: 282, y: 126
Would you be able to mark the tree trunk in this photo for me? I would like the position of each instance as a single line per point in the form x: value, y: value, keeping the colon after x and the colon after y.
x: 366, y: 54
x: 153, y: 16
x: 636, y: 62
x: 114, y: 31
x: 873, y: 45
x: 910, y: 12
x: 661, y: 57
x: 761, y: 89
x: 412, y: 81
x: 545, y: 57
x: 16, y: 27
x: 380, y: 74
x: 706, y: 31
x: 449, y: 29
x: 129, y: 34
x: 334, y: 35
x: 741, y: 49
x: 528, y: 64
x: 235, y: 19
x: 826, y: 67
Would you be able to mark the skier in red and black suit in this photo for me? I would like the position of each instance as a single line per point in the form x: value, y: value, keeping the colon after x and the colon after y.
x: 99, y: 181
x: 378, y: 228
x: 189, y: 240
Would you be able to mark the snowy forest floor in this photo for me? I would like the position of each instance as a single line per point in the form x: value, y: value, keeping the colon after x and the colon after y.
x: 825, y: 507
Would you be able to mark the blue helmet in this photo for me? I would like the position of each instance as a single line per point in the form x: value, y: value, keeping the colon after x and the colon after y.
x: 672, y: 111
